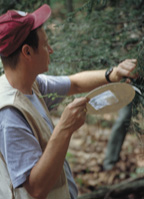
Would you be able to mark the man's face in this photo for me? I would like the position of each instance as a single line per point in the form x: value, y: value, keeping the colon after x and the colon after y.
x: 42, y: 58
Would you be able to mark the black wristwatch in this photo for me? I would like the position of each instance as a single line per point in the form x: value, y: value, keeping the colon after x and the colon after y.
x: 107, y: 74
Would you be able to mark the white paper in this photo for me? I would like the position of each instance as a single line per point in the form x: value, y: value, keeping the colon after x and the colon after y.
x: 102, y: 100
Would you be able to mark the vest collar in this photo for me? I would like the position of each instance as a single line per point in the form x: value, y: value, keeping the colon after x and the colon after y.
x: 7, y: 92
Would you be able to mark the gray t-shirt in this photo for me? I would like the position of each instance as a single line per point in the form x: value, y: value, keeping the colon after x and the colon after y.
x: 20, y: 148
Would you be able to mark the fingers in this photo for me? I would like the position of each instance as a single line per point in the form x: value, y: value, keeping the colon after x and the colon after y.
x: 74, y: 115
x: 79, y: 102
x: 78, y: 106
x: 85, y: 110
x: 82, y: 110
x: 126, y: 68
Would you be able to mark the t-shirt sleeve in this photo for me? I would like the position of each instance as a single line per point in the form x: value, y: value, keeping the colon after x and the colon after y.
x: 53, y: 89
x: 19, y: 146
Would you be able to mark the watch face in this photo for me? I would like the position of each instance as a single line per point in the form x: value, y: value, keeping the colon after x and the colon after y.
x: 110, y: 98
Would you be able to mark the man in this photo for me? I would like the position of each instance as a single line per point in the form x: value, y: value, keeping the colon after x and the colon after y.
x: 32, y: 163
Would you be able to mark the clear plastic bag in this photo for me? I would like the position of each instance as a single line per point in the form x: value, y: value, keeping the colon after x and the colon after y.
x: 104, y: 99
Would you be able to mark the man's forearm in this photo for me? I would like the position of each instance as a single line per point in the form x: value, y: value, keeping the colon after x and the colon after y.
x: 88, y: 80
x: 46, y: 172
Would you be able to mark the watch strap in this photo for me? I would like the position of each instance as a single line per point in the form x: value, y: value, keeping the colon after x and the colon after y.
x: 107, y: 74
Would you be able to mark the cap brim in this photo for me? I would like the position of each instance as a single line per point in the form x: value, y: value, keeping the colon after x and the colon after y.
x: 41, y: 15
x: 109, y: 98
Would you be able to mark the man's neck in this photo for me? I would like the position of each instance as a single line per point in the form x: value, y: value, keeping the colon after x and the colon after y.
x: 20, y: 80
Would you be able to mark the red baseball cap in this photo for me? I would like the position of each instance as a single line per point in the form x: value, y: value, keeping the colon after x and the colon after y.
x: 15, y: 26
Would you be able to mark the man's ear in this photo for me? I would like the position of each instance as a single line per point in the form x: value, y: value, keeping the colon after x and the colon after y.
x: 26, y: 51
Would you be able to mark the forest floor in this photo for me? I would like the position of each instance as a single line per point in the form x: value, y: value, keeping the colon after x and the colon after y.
x: 87, y: 151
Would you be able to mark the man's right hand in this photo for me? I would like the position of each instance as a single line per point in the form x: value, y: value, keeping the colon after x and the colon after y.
x: 74, y: 115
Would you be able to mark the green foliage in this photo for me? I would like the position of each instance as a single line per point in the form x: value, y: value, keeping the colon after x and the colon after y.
x: 138, y: 103
x: 70, y: 156
x: 25, y: 5
x: 106, y: 37
x: 100, y: 37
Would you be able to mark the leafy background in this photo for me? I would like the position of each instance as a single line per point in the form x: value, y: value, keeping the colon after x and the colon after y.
x: 87, y: 35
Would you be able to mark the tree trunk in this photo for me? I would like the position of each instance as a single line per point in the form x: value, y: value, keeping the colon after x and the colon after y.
x: 69, y: 5
x: 48, y: 2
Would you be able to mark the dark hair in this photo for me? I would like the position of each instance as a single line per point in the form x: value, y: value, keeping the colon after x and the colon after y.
x: 12, y: 60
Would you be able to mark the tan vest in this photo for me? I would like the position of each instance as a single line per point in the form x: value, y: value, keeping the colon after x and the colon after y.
x: 12, y: 97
